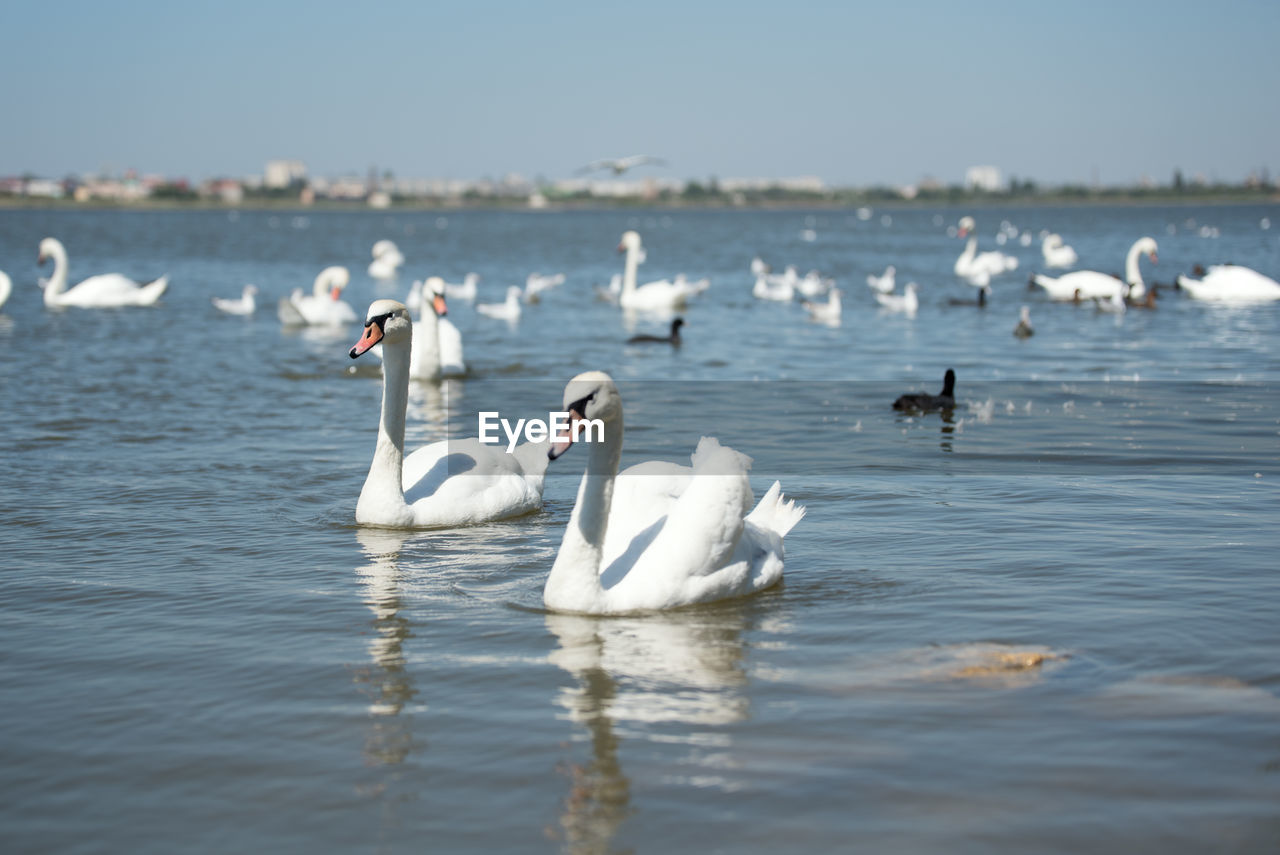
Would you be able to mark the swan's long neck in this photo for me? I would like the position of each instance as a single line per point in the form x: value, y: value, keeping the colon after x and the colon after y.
x: 382, y: 498
x: 321, y: 286
x: 629, y: 271
x: 574, y: 581
x: 1132, y: 273
x: 426, y: 350
x: 58, y: 280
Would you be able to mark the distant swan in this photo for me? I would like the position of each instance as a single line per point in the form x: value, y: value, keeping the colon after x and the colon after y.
x: 884, y: 283
x: 923, y: 402
x: 1056, y: 254
x: 828, y: 312
x: 324, y: 306
x: 449, y: 483
x: 386, y: 260
x: 971, y: 263
x: 6, y: 288
x: 245, y: 304
x: 652, y: 296
x: 1231, y: 283
x: 106, y: 290
x: 437, y: 343
x: 660, y: 535
x: 1087, y: 284
x: 464, y: 290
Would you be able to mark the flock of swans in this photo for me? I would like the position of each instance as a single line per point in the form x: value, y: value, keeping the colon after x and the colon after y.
x: 657, y: 534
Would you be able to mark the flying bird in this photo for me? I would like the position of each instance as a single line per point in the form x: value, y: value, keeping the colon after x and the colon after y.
x: 621, y: 164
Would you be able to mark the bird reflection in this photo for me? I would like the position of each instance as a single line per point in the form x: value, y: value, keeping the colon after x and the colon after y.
x: 948, y: 430
x: 430, y: 405
x: 684, y: 668
x: 386, y: 679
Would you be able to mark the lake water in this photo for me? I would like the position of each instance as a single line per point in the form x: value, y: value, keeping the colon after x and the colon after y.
x: 1047, y: 623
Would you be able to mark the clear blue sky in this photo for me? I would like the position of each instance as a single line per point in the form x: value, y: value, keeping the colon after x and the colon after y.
x: 854, y: 93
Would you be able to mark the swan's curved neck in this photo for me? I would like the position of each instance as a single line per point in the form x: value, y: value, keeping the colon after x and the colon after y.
x: 1132, y: 273
x: 629, y: 270
x: 574, y: 581
x: 321, y: 286
x: 382, y: 498
x: 58, y: 279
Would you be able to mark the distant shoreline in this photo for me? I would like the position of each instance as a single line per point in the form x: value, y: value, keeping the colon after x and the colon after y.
x: 292, y: 206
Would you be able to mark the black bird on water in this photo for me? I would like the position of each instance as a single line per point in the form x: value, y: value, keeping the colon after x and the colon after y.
x: 924, y: 402
x: 673, y: 339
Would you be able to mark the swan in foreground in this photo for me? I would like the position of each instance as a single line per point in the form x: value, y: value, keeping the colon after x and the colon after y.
x: 464, y: 290
x: 884, y: 283
x: 1088, y: 284
x: 245, y: 304
x: 660, y: 535
x: 673, y: 339
x: 828, y: 312
x: 508, y: 310
x: 324, y: 306
x: 1024, y: 328
x: 972, y: 263
x: 1056, y: 254
x: 906, y: 302
x: 449, y: 483
x: 6, y: 288
x: 923, y: 402
x: 1231, y: 283
x: 97, y: 292
x: 653, y: 296
x: 437, y: 343
x: 387, y: 259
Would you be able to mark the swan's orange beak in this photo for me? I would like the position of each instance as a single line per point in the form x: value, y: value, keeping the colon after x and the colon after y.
x: 371, y: 336
x: 1152, y: 257
x: 335, y: 294
x: 437, y: 303
x: 559, y: 447
x: 962, y: 232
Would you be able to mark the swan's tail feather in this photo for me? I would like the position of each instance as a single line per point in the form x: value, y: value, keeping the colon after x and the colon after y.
x: 155, y: 289
x: 1186, y: 283
x: 775, y: 512
x: 1045, y: 282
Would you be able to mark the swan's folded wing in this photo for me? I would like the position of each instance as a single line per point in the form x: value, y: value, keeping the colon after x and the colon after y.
x: 642, y: 495
x: 450, y: 338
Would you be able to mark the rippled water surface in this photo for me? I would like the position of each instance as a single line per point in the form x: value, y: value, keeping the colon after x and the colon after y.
x: 1048, y: 621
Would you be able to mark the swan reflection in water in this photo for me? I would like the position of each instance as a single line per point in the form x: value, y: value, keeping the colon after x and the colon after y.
x: 681, y: 668
x: 431, y: 403
x: 386, y: 678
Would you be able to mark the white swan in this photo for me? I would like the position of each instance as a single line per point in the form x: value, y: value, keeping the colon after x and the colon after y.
x: 660, y: 535
x: 449, y: 483
x: 97, y: 292
x: 907, y: 302
x: 508, y: 310
x: 1056, y: 254
x: 1087, y: 284
x: 972, y: 263
x: 387, y: 259
x: 828, y: 312
x: 1230, y: 283
x: 884, y: 283
x: 6, y: 288
x: 464, y: 290
x: 245, y: 304
x: 653, y: 296
x: 324, y: 306
x: 814, y: 284
x: 437, y: 343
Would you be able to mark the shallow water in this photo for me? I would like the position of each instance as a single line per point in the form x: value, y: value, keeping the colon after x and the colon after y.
x: 1046, y: 622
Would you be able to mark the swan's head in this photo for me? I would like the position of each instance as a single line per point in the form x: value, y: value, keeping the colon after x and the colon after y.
x: 386, y: 321
x: 630, y: 241
x: 335, y: 279
x: 1147, y: 246
x: 382, y: 247
x: 588, y: 396
x: 49, y: 248
x: 1053, y: 241
x: 434, y: 288
x: 514, y: 292
x: 966, y: 225
x: 911, y: 288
